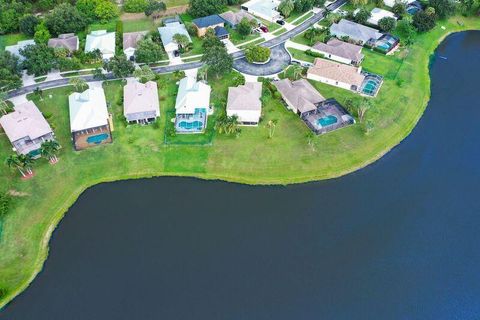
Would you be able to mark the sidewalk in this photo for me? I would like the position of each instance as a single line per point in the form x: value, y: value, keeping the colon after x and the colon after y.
x: 291, y: 44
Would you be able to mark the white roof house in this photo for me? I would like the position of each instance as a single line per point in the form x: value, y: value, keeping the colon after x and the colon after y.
x: 103, y: 41
x: 192, y: 94
x: 265, y: 9
x: 378, y: 14
x: 140, y: 101
x: 244, y: 102
x: 26, y: 128
x: 15, y: 49
x: 88, y: 109
x: 168, y: 31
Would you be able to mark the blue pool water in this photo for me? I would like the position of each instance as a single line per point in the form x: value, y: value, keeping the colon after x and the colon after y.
x: 412, y: 10
x: 194, y: 125
x: 99, y: 138
x: 328, y: 120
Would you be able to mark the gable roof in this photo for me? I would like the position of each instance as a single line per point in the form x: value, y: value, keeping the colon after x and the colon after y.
x: 169, y: 30
x: 263, y: 7
x: 337, y: 71
x: 245, y: 97
x: 220, y: 31
x: 354, y: 31
x: 130, y: 39
x: 25, y: 121
x: 377, y: 14
x: 208, y: 21
x: 192, y: 94
x: 340, y: 49
x: 300, y: 93
x: 102, y: 40
x: 139, y: 97
x: 234, y: 18
x: 88, y: 109
x: 68, y: 41
x: 15, y: 49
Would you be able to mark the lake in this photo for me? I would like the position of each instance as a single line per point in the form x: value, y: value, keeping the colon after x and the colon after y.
x: 399, y: 239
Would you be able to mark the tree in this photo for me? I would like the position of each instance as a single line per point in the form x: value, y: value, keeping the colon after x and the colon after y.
x: 271, y: 125
x: 218, y: 60
x: 26, y: 162
x: 238, y: 79
x: 4, y: 107
x: 361, y: 107
x: 203, y: 73
x: 202, y: 8
x: 311, y: 34
x: 319, y: 3
x: 87, y: 9
x: 311, y: 140
x: 387, y: 24
x: 467, y: 5
x: 49, y: 150
x: 42, y: 35
x: 423, y: 21
x: 99, y: 75
x: 358, y: 3
x: 10, y: 71
x: 286, y: 7
x: 135, y: 5
x: 64, y: 19
x: 78, y: 83
x: 443, y: 8
x: 257, y: 54
x: 144, y: 74
x: 13, y: 161
x: 11, y: 12
x: 183, y: 42
x: 227, y: 125
x: 120, y: 66
x: 244, y: 28
x: 154, y: 8
x: 39, y: 59
x: 362, y: 16
x: 211, y: 41
x: 399, y: 8
x: 148, y: 51
x: 304, y: 5
x: 28, y: 23
x: 406, y: 31
x: 296, y: 71
x: 106, y: 11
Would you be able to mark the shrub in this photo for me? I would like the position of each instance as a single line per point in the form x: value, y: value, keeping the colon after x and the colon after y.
x: 387, y: 24
x: 28, y: 24
x: 135, y: 6
x: 257, y: 54
x: 423, y: 22
x: 314, y: 54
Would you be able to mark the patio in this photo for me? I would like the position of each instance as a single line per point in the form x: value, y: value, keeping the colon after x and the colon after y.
x: 328, y: 116
x: 92, y: 137
x: 191, y: 123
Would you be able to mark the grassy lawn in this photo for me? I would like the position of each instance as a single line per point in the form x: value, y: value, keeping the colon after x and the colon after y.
x: 302, y: 40
x: 11, y: 39
x: 196, y: 47
x: 279, y: 31
x: 175, y: 3
x: 139, y: 151
x: 300, y: 55
x: 303, y: 18
x: 145, y: 24
x: 236, y: 38
x: 109, y: 26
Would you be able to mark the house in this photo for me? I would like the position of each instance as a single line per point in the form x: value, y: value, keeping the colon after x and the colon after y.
x: 15, y: 49
x: 27, y: 129
x: 329, y: 115
x: 67, y: 41
x: 244, y: 102
x: 336, y: 74
x: 264, y: 9
x: 378, y: 14
x: 340, y: 51
x: 233, y: 18
x: 140, y: 102
x: 391, y: 3
x: 103, y: 41
x: 168, y: 31
x: 89, y: 118
x: 300, y: 96
x: 354, y: 31
x: 130, y: 40
x: 214, y: 22
x: 192, y: 106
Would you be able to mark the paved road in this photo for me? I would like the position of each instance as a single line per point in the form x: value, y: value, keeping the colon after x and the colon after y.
x: 279, y: 60
x: 168, y: 69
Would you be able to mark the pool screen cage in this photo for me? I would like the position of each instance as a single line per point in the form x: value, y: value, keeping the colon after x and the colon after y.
x: 371, y: 84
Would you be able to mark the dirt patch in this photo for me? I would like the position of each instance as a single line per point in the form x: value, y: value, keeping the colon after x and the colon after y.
x: 15, y: 193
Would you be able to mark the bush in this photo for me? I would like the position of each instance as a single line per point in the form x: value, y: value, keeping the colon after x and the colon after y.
x: 314, y: 54
x: 423, y: 22
x: 362, y: 16
x: 387, y: 24
x: 5, y: 200
x: 28, y: 23
x: 257, y: 54
x: 135, y: 6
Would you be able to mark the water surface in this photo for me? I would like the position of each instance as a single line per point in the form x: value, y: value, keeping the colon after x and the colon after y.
x: 397, y: 240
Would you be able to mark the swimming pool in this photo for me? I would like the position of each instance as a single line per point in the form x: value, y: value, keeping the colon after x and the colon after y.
x: 327, y: 121
x: 371, y: 84
x: 193, y: 126
x: 412, y: 10
x: 97, y: 139
x: 386, y: 43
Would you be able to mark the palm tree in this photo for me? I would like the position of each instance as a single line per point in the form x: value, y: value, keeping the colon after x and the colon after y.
x: 78, y: 83
x: 203, y: 73
x: 311, y: 34
x: 296, y: 71
x: 49, y: 150
x: 362, y: 107
x: 26, y: 161
x: 271, y: 124
x: 14, y: 162
x: 227, y: 125
x: 311, y: 140
x: 3, y: 102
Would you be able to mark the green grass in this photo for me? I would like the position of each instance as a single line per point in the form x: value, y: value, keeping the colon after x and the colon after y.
x: 279, y: 31
x: 304, y: 18
x: 175, y: 3
x: 300, y: 55
x: 139, y: 151
x: 237, y: 38
x: 109, y: 26
x: 302, y: 40
x: 11, y: 39
x: 145, y: 24
x: 196, y: 47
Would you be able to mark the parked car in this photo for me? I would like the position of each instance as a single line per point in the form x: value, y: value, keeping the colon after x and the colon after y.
x: 176, y: 53
x: 280, y: 22
x: 264, y: 29
x: 306, y: 64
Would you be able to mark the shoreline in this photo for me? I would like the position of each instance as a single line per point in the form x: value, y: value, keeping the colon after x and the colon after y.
x: 394, y: 141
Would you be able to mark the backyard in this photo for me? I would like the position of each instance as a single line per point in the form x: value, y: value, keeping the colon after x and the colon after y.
x: 137, y: 151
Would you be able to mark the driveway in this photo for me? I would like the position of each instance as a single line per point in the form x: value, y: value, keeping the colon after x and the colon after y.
x: 279, y: 59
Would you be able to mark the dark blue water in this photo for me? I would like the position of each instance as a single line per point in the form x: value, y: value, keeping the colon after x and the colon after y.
x: 397, y: 240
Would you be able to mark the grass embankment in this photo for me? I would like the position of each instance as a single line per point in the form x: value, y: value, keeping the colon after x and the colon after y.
x: 251, y: 158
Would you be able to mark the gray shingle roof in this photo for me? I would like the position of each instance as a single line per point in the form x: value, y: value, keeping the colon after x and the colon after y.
x: 354, y: 31
x: 68, y: 41
x: 208, y: 21
x: 340, y: 49
x: 300, y: 94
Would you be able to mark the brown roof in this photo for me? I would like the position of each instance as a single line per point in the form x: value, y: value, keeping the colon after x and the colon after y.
x: 235, y: 17
x: 246, y: 97
x: 68, y: 41
x: 130, y: 39
x: 340, y: 49
x: 300, y: 93
x: 140, y: 97
x: 337, y: 72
